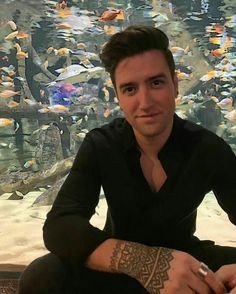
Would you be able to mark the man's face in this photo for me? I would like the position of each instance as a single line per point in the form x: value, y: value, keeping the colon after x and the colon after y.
x: 146, y: 92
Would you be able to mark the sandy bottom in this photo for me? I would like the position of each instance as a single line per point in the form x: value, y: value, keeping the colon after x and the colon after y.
x: 21, y: 226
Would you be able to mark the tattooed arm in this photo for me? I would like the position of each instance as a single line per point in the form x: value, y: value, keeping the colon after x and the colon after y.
x: 159, y: 270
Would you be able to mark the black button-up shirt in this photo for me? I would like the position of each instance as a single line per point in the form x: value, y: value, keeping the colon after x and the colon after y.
x: 195, y: 160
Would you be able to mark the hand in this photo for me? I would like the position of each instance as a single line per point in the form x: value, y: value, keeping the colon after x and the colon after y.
x: 182, y: 276
x: 227, y: 274
x: 164, y: 271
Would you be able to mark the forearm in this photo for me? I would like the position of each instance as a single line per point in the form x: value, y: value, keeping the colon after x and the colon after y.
x: 155, y: 268
x: 141, y: 262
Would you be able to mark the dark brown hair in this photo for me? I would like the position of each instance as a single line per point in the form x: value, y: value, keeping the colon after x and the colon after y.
x: 134, y: 40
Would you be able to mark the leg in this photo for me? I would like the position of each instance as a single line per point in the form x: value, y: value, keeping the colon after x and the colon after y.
x: 48, y: 275
x: 45, y: 275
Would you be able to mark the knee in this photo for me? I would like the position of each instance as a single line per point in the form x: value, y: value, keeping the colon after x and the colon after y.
x: 44, y: 275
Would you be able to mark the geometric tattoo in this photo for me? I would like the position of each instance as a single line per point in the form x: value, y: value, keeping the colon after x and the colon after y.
x: 148, y: 265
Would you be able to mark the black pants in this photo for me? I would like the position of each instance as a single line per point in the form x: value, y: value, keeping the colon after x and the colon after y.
x: 48, y: 275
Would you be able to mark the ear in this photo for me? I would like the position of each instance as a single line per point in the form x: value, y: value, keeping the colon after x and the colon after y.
x: 176, y: 84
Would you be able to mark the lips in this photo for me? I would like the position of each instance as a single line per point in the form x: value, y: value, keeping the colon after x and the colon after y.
x: 149, y: 115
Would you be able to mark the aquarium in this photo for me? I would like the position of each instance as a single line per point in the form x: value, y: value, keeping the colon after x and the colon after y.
x: 53, y: 90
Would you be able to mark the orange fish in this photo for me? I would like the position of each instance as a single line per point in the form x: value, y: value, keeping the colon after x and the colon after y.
x: 58, y: 108
x: 218, y: 52
x: 215, y: 40
x: 22, y: 35
x: 110, y: 14
x: 64, y: 12
x: 12, y: 104
x: 29, y: 163
x: 217, y: 28
x: 5, y: 122
x: 22, y: 55
x: 183, y: 75
x: 62, y: 51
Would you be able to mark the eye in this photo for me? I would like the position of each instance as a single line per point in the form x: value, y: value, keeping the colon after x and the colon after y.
x: 157, y: 83
x: 129, y: 90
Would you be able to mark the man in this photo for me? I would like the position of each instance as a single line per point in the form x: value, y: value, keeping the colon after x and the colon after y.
x: 155, y: 170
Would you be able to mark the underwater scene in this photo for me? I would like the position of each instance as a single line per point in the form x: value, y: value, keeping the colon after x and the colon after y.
x: 53, y: 88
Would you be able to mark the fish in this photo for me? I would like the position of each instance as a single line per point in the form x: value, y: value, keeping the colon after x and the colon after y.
x: 226, y: 103
x: 30, y: 102
x: 106, y: 94
x: 231, y: 115
x: 42, y: 128
x: 219, y: 52
x: 81, y: 135
x: 22, y: 55
x: 22, y: 35
x: 62, y: 51
x: 215, y: 28
x: 82, y: 55
x: 12, y: 25
x: 160, y: 18
x: 7, y: 84
x: 18, y: 47
x: 64, y: 12
x: 183, y: 76
x: 225, y: 93
x: 12, y: 104
x: 110, y: 14
x: 50, y: 50
x: 230, y: 21
x: 29, y: 163
x: 81, y: 45
x: 76, y: 73
x: 6, y: 122
x: 58, y: 108
x: 8, y: 93
x: 64, y: 26
x: 179, y: 50
x: 11, y: 36
x: 210, y: 75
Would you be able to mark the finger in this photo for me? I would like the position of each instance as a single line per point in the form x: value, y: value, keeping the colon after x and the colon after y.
x: 225, y: 273
x: 210, y: 279
x: 215, y: 284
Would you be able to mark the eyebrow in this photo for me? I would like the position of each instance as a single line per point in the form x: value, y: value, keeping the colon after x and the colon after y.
x: 131, y: 83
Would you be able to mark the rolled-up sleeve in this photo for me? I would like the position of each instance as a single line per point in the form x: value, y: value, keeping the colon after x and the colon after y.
x: 67, y: 231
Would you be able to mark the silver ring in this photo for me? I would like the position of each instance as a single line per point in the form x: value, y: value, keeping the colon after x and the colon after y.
x: 203, y: 270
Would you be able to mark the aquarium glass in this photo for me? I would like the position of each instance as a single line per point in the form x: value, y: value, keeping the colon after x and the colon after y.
x: 53, y: 89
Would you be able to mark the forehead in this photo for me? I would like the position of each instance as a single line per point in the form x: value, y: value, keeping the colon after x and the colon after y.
x: 148, y: 63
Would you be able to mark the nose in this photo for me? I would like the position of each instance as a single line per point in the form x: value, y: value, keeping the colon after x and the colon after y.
x: 145, y: 98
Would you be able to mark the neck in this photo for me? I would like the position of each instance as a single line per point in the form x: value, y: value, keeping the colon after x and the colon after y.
x: 151, y: 146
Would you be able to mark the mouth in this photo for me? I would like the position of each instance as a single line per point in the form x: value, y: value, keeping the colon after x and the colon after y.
x: 149, y: 115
